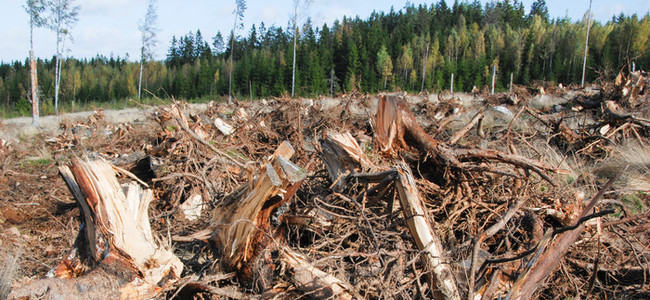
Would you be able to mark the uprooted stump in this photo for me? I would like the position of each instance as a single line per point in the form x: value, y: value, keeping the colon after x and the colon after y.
x: 247, y: 230
x: 115, y: 255
x: 396, y: 129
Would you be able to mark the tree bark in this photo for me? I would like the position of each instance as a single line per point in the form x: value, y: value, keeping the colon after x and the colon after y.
x: 34, y: 88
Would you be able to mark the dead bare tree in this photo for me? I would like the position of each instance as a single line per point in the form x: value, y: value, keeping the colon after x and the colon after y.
x: 297, y: 5
x: 35, y: 9
x: 240, y: 7
x: 148, y: 29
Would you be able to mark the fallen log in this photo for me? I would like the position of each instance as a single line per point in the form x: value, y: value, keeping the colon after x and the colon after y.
x: 396, y: 129
x: 115, y: 254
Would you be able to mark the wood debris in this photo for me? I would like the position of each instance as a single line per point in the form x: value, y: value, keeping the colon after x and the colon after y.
x: 365, y: 197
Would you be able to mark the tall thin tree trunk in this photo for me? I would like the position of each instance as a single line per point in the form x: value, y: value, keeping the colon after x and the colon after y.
x: 57, y: 80
x: 34, y: 83
x: 140, y: 80
x: 57, y: 71
x: 33, y: 75
x: 424, y: 69
x: 232, y: 49
x: 584, y: 63
x: 295, y: 38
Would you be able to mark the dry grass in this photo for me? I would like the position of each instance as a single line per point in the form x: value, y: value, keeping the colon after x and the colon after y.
x: 633, y: 160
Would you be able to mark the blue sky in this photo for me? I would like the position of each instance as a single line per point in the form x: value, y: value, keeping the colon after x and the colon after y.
x: 111, y: 26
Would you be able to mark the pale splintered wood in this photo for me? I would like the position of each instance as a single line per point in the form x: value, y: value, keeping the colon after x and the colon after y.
x: 244, y: 222
x: 342, y: 154
x: 425, y: 237
x: 312, y: 281
x: 118, y: 217
x: 244, y: 228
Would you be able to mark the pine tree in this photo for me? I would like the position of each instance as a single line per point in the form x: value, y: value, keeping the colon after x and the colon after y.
x: 538, y: 8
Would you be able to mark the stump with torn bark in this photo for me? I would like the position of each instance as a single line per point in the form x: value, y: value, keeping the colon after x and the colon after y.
x: 247, y: 236
x: 115, y: 255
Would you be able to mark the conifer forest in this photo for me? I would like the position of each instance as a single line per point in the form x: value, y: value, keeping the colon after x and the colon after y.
x: 413, y: 49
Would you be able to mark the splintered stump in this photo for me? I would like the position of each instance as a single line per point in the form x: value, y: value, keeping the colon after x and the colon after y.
x: 115, y: 255
x: 344, y: 160
x: 341, y: 154
x: 246, y: 229
x: 396, y: 129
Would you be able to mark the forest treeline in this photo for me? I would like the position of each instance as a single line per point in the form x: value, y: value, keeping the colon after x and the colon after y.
x: 413, y: 49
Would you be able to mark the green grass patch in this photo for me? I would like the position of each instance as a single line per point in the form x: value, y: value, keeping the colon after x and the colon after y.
x: 635, y: 202
x: 35, y: 162
x: 236, y: 154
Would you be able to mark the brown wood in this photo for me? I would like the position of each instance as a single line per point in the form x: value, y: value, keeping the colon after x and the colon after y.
x: 529, y: 282
x: 243, y: 224
x: 396, y: 129
x: 459, y: 134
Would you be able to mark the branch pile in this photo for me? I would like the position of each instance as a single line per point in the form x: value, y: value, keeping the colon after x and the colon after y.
x: 364, y: 199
